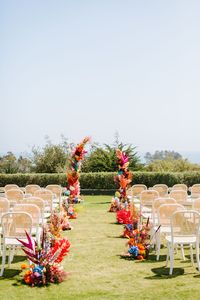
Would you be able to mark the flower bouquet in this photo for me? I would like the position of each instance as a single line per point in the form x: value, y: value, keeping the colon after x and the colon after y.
x: 139, y: 242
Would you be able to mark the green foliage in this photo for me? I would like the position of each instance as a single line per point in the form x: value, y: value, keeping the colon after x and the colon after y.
x: 40, y: 179
x: 103, y: 159
x: 51, y: 159
x: 172, y: 165
x: 102, y: 182
x: 9, y: 164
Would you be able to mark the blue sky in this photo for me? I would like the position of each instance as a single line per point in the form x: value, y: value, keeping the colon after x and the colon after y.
x: 96, y: 67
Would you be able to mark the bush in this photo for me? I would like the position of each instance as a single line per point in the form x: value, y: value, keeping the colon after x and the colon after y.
x: 102, y: 182
x: 40, y: 179
x: 172, y: 165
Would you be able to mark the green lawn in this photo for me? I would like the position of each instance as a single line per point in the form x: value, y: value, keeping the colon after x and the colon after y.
x: 96, y: 270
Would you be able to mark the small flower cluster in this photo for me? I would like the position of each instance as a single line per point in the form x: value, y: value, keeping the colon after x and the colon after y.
x: 69, y: 209
x: 128, y: 215
x: 58, y: 221
x: 139, y: 241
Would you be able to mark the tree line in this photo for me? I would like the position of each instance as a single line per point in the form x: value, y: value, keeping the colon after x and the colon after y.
x: 54, y: 158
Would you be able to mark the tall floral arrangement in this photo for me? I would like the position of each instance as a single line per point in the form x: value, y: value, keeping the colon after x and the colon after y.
x: 124, y: 176
x: 73, y: 174
x: 123, y: 179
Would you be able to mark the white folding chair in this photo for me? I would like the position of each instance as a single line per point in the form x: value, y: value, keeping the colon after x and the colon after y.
x: 14, y: 225
x: 164, y: 214
x: 31, y: 188
x: 47, y: 196
x: 35, y: 213
x: 184, y: 230
x: 14, y: 196
x: 56, y: 190
x: 162, y: 189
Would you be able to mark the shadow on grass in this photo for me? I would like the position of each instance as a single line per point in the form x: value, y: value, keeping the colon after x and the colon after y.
x: 163, y: 273
x: 152, y: 258
x: 197, y: 276
x: 116, y: 223
x: 102, y: 202
x: 16, y: 259
x: 121, y: 256
x: 116, y: 237
x: 10, y: 273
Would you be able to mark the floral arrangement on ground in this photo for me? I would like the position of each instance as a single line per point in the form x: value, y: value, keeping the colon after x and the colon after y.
x: 46, y: 256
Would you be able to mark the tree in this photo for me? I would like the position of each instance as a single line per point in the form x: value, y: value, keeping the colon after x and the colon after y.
x: 103, y: 158
x: 51, y: 158
x: 161, y: 155
x: 172, y: 165
x: 8, y: 163
x: 25, y: 165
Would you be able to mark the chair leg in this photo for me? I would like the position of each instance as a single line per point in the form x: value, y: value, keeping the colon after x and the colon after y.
x: 12, y: 253
x: 3, y: 259
x: 158, y: 245
x: 9, y: 255
x: 168, y: 254
x: 182, y: 252
x: 191, y: 255
x: 197, y: 256
x: 171, y: 259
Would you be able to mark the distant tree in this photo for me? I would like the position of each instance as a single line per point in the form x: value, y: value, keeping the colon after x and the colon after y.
x: 172, y: 165
x: 161, y: 155
x: 52, y: 158
x: 8, y: 163
x: 25, y: 165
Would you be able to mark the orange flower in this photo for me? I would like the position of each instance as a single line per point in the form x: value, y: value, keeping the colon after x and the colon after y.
x: 24, y: 266
x: 28, y: 272
x: 140, y: 247
x: 140, y: 257
x: 27, y: 279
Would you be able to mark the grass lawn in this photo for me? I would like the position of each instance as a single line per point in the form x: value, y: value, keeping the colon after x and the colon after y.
x: 96, y: 270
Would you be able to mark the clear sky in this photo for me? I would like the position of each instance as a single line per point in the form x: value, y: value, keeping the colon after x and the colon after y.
x: 96, y: 67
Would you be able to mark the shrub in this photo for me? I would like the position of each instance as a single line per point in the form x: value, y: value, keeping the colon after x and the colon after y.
x: 102, y: 182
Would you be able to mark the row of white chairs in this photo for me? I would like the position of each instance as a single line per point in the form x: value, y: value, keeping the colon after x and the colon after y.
x: 164, y: 190
x: 31, y: 189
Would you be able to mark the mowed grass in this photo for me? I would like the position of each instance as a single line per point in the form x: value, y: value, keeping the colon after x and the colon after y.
x: 96, y: 270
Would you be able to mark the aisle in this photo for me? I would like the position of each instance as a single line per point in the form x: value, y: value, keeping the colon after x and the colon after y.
x: 95, y: 246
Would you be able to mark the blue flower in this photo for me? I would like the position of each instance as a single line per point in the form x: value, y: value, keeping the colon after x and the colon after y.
x: 129, y: 227
x: 134, y: 251
x: 38, y: 269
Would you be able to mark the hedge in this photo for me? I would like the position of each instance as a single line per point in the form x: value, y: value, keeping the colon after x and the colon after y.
x: 102, y: 182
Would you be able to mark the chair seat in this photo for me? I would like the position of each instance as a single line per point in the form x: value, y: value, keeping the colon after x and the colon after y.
x: 14, y: 241
x: 182, y: 239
